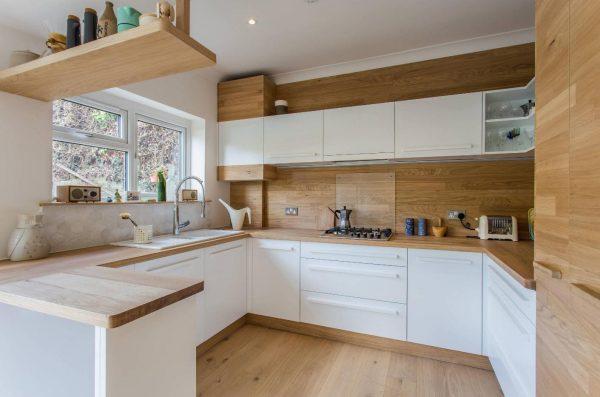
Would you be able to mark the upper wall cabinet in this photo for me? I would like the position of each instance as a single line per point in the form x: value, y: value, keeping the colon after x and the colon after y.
x: 241, y: 142
x: 510, y: 120
x: 294, y: 138
x: 246, y: 98
x: 359, y: 132
x: 440, y: 126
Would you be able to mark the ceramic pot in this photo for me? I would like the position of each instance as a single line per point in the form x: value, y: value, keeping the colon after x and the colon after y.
x: 90, y: 25
x: 127, y: 18
x: 107, y: 24
x: 73, y: 31
x: 28, y: 241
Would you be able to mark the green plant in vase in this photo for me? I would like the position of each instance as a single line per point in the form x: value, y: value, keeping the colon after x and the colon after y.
x: 161, y: 185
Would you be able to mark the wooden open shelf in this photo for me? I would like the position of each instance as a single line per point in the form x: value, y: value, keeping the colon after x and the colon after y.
x: 146, y: 52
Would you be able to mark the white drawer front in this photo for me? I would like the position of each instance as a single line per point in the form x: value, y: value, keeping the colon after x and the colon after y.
x: 354, y: 314
x: 355, y: 253
x: 511, y: 344
x: 360, y: 280
x: 521, y: 297
x: 168, y: 261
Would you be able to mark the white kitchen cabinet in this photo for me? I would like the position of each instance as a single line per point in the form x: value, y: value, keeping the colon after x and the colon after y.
x: 509, y: 336
x: 275, y: 274
x: 188, y: 264
x: 359, y: 132
x: 293, y: 138
x: 241, y: 142
x: 366, y: 316
x: 224, y: 285
x: 445, y: 299
x: 440, y: 126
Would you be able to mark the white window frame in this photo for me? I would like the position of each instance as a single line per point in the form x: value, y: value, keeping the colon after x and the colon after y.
x: 129, y: 113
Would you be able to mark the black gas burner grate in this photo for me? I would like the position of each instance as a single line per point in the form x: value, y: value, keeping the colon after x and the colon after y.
x: 359, y: 233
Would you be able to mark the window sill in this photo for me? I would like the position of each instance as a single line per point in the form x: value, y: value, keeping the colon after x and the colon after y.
x: 58, y: 204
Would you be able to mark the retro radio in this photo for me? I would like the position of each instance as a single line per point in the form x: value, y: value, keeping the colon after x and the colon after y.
x: 77, y: 194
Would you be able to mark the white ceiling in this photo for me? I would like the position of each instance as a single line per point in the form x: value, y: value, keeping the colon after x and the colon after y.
x: 293, y: 35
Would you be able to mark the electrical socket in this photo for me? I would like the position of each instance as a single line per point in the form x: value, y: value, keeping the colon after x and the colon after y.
x: 453, y: 214
x: 291, y: 211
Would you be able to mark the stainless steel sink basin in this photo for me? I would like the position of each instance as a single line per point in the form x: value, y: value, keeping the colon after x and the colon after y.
x: 170, y: 241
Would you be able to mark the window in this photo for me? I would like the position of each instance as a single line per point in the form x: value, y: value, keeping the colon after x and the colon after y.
x: 96, y: 144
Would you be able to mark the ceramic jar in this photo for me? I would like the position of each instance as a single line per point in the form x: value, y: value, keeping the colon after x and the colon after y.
x: 28, y: 241
x: 127, y: 18
x: 107, y: 24
x: 90, y: 25
x: 73, y: 31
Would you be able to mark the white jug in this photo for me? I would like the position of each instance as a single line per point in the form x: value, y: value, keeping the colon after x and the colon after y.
x: 237, y: 216
x: 28, y: 241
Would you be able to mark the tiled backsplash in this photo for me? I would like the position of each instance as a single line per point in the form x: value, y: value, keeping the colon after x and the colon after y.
x: 79, y: 226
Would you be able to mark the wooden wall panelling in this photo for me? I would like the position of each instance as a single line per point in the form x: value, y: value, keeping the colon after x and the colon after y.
x: 249, y: 194
x: 370, y: 195
x: 480, y: 71
x: 421, y: 189
x: 245, y: 98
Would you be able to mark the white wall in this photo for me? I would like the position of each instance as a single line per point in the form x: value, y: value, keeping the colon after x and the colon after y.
x: 13, y: 39
x: 25, y: 159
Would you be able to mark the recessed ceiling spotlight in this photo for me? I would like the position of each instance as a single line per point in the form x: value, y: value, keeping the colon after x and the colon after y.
x: 251, y: 21
x: 311, y: 1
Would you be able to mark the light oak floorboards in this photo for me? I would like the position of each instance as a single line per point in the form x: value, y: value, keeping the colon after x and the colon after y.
x: 257, y: 361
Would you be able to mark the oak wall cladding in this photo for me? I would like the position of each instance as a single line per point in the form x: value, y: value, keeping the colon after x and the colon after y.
x: 479, y: 71
x: 421, y: 190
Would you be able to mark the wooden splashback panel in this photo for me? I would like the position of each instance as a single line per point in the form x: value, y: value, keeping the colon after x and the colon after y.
x: 370, y: 195
x: 421, y: 190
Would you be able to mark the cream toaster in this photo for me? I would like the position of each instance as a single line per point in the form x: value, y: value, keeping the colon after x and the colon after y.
x: 498, y: 227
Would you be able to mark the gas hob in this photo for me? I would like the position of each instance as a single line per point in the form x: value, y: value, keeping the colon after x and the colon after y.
x: 359, y: 233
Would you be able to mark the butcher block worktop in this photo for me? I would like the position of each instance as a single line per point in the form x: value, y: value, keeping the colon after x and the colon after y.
x: 514, y: 257
x: 86, y: 285
x: 80, y: 285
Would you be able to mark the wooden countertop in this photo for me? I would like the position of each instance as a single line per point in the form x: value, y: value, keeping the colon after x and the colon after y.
x: 86, y: 285
x: 83, y: 285
x: 514, y: 257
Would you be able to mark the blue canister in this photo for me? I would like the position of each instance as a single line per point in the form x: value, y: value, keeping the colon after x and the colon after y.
x: 409, y: 226
x: 422, y: 227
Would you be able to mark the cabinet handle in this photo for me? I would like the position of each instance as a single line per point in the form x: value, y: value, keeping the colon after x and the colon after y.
x: 548, y: 270
x: 433, y: 147
x: 171, y: 264
x: 347, y: 270
x: 515, y: 290
x: 226, y: 249
x: 354, y: 306
x: 508, y: 311
x: 284, y: 155
x: 342, y: 253
x: 445, y: 260
x: 290, y: 249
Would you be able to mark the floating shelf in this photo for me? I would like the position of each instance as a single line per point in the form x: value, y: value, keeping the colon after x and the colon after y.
x: 511, y: 119
x: 146, y: 52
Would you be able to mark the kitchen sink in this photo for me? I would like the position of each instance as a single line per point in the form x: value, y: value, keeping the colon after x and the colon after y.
x: 170, y: 241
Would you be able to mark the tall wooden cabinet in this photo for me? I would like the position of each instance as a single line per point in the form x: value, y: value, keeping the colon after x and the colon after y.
x: 567, y: 200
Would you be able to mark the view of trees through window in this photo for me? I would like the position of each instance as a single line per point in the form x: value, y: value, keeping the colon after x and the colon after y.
x: 90, y: 159
x: 74, y: 164
x: 85, y: 118
x: 157, y: 147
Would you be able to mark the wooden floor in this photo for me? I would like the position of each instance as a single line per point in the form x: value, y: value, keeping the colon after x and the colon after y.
x: 257, y: 361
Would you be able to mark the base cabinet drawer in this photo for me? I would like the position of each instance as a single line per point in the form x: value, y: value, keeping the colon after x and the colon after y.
x: 365, y: 316
x: 359, y: 280
x: 355, y: 253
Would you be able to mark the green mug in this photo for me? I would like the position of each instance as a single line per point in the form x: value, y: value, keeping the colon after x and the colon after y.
x: 127, y: 18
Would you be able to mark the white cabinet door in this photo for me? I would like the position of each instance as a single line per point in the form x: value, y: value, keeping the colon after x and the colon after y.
x: 441, y: 126
x: 294, y: 138
x: 241, y: 142
x: 359, y: 132
x: 188, y: 264
x: 224, y: 285
x: 445, y: 299
x: 276, y: 279
x: 509, y: 330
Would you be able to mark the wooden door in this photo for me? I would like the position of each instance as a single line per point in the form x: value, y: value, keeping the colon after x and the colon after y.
x: 567, y: 247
